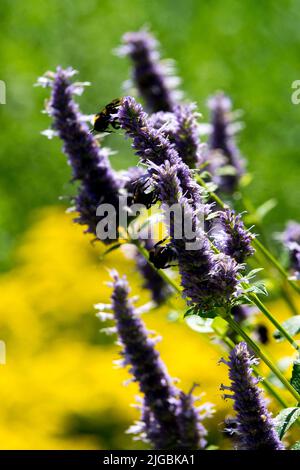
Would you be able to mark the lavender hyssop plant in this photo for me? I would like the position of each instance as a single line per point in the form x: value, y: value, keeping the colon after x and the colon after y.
x: 254, y: 430
x: 214, y: 267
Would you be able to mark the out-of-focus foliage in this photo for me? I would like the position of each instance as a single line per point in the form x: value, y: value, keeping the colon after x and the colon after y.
x: 249, y: 49
x: 59, y: 388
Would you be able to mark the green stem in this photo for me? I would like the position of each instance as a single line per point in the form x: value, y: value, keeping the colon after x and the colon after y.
x: 255, y: 242
x: 268, y: 314
x: 289, y: 301
x: 276, y: 264
x: 257, y: 350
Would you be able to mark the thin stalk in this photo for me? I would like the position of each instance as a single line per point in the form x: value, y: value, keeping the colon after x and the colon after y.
x: 276, y: 264
x: 254, y: 298
x: 289, y: 301
x: 268, y: 255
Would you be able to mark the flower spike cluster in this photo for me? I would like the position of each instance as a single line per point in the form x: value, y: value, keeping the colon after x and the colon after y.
x: 152, y: 77
x: 255, y: 430
x: 169, y: 419
x: 209, y: 280
x: 151, y: 145
x: 89, y: 163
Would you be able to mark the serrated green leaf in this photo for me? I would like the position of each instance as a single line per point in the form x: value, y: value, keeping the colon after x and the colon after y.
x: 292, y: 326
x: 201, y: 325
x: 253, y: 273
x: 295, y: 380
x: 296, y: 446
x: 285, y: 419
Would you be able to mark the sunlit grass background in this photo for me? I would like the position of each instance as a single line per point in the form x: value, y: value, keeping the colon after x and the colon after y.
x: 58, y: 388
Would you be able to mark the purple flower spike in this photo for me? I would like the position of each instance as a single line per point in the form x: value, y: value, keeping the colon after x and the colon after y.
x: 152, y: 77
x: 89, y: 163
x: 255, y: 430
x: 151, y: 145
x: 185, y: 135
x: 291, y: 239
x: 236, y: 239
x: 209, y: 280
x: 191, y: 427
x: 166, y: 415
x: 222, y: 140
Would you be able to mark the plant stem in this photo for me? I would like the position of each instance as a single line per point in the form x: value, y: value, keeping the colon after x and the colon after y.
x: 268, y: 255
x: 257, y: 350
x: 268, y: 314
x: 276, y: 264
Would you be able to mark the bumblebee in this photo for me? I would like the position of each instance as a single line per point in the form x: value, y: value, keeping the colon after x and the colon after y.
x: 104, y: 118
x: 143, y: 193
x: 162, y: 255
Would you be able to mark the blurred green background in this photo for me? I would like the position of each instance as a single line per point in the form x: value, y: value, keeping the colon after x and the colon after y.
x: 249, y: 49
x: 58, y: 388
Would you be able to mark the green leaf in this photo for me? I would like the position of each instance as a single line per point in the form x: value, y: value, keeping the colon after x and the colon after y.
x: 201, y: 325
x: 190, y: 311
x: 285, y: 419
x: 296, y: 446
x: 295, y: 380
x: 109, y: 250
x: 259, y: 288
x: 253, y: 273
x: 226, y: 170
x: 265, y: 208
x: 292, y: 326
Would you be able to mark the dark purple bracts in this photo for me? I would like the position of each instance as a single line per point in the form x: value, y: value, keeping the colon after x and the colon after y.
x: 168, y: 419
x: 255, y: 430
x: 152, y: 77
x: 89, y: 163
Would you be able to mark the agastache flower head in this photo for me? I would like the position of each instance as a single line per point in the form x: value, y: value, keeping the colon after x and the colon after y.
x: 89, y: 163
x: 234, y: 239
x: 222, y: 140
x: 185, y: 135
x: 291, y: 239
x: 162, y: 408
x: 153, y: 78
x: 208, y: 279
x: 152, y: 281
x: 151, y: 145
x: 255, y: 429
